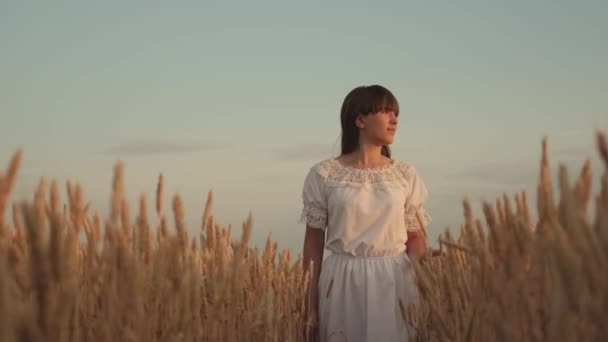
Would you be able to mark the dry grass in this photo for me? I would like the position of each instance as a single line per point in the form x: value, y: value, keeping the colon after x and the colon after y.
x: 66, y: 275
x: 517, y: 280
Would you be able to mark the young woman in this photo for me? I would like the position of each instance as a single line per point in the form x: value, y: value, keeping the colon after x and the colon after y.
x: 367, y: 209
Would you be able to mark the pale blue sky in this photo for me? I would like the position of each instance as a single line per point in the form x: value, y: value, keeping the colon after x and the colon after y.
x: 244, y: 98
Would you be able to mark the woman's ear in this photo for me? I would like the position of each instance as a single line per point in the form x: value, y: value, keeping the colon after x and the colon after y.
x: 359, y: 121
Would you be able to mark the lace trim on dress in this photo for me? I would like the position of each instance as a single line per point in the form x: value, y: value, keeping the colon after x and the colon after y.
x: 395, y: 173
x: 411, y: 220
x: 314, y: 216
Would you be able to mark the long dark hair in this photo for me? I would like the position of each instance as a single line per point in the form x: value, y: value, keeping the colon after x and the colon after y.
x: 364, y: 100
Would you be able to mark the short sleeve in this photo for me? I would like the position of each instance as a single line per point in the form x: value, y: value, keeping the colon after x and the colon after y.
x: 415, y: 214
x: 314, y: 211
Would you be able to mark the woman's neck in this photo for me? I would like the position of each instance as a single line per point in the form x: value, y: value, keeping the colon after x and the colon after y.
x: 366, y: 156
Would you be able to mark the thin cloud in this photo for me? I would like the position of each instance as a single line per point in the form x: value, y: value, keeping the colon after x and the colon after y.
x: 156, y: 147
x: 506, y: 173
x: 517, y: 174
x: 577, y: 152
x: 266, y: 179
x: 305, y: 152
x: 569, y: 134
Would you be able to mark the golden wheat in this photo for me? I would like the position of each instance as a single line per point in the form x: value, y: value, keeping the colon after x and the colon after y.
x: 515, y: 280
x: 119, y: 284
x: 68, y: 275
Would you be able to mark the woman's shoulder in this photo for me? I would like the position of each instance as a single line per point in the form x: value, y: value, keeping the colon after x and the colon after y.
x: 334, y: 162
x: 406, y: 167
x: 323, y: 167
x: 331, y: 171
x: 408, y: 172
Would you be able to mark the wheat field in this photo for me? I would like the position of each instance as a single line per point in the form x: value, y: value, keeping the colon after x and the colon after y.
x: 67, y: 274
x: 512, y: 279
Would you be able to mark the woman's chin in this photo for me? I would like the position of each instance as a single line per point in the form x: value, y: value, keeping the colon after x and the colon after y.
x: 384, y: 141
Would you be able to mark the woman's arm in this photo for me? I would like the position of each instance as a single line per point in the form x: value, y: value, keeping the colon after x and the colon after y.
x: 416, y: 244
x: 314, y: 244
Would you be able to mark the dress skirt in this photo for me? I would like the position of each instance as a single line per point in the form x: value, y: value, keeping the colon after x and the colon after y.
x: 359, y: 298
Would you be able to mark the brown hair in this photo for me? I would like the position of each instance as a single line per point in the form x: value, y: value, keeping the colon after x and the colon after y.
x: 364, y: 100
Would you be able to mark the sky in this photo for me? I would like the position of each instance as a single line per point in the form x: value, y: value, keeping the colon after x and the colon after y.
x: 243, y: 98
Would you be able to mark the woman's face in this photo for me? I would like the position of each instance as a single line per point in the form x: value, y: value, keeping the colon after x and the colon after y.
x: 378, y: 128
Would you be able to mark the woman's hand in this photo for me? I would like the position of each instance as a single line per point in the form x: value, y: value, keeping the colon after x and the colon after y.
x: 416, y: 244
x: 311, y: 325
x: 314, y: 244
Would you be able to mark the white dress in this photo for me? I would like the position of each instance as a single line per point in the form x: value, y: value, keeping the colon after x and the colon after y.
x: 365, y: 213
